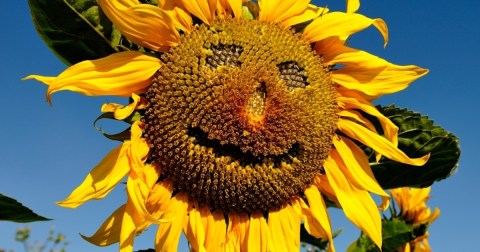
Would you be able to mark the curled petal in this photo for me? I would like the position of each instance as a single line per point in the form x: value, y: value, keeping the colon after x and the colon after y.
x: 121, y: 112
x: 143, y: 24
x: 339, y: 24
x: 101, y: 179
x: 364, y: 72
x: 356, y: 101
x: 109, y: 231
x: 378, y: 143
x: 377, y: 81
x: 118, y: 74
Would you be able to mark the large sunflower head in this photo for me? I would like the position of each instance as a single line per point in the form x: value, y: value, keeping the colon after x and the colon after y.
x: 244, y: 117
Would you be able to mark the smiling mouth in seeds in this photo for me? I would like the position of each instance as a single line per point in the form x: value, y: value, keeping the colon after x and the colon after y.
x: 242, y: 157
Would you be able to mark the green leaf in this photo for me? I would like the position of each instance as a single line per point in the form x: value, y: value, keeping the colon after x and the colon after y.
x: 395, y: 234
x: 75, y: 30
x: 12, y: 210
x: 122, y: 136
x: 418, y: 136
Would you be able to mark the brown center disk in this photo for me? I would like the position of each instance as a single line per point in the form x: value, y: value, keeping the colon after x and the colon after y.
x: 240, y: 116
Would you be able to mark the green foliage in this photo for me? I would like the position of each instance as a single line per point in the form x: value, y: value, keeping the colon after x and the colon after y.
x: 12, y: 210
x: 417, y: 137
x: 121, y: 136
x: 53, y: 240
x: 75, y: 30
x: 395, y: 234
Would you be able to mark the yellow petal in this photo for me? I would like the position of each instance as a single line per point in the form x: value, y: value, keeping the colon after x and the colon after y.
x: 349, y: 99
x: 236, y: 6
x: 277, y: 11
x: 130, y: 220
x: 320, y: 215
x: 237, y: 231
x: 216, y: 230
x: 310, y: 13
x: 359, y: 171
x: 121, y: 112
x: 118, y: 74
x: 204, y: 10
x: 168, y: 234
x: 194, y: 229
x: 137, y: 155
x: 377, y: 81
x: 109, y: 232
x: 366, y: 72
x: 284, y: 226
x: 321, y: 182
x: 143, y: 24
x: 353, y: 6
x: 378, y: 143
x: 138, y: 193
x: 182, y: 19
x: 101, y: 179
x: 159, y: 197
x: 357, y: 117
x: 357, y: 204
x: 258, y: 233
x: 339, y: 24
x: 229, y: 8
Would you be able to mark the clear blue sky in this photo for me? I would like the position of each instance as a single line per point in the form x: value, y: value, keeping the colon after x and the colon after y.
x: 46, y: 151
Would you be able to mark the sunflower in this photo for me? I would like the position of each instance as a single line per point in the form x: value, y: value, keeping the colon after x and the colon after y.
x: 414, y: 210
x: 244, y: 118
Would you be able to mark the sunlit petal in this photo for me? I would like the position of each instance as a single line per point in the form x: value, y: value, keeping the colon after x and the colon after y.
x: 216, y: 230
x: 143, y: 24
x: 353, y: 6
x: 357, y: 204
x: 194, y: 229
x: 359, y: 172
x: 320, y: 215
x: 109, y: 231
x: 168, y: 234
x: 339, y: 24
x: 310, y: 13
x: 118, y: 74
x: 101, y: 179
x: 204, y: 10
x: 378, y: 143
x: 258, y: 237
x: 277, y: 11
